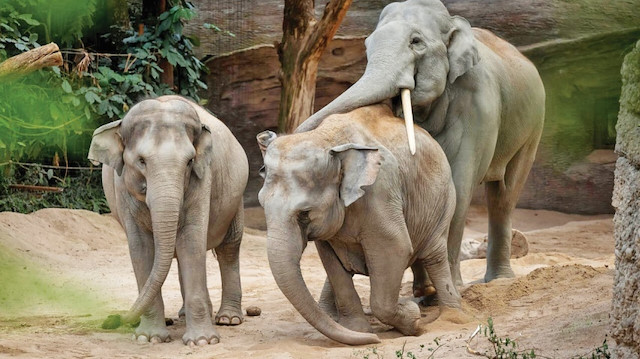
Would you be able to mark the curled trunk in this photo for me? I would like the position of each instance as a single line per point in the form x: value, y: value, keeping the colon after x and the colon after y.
x: 284, y: 259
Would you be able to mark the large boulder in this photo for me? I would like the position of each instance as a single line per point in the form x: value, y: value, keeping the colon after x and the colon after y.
x: 625, y: 316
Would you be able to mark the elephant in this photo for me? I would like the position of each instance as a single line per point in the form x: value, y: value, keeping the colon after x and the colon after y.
x: 476, y: 94
x: 174, y: 177
x: 353, y: 188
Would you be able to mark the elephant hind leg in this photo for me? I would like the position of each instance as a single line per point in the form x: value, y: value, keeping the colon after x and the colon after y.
x: 439, y: 271
x: 502, y: 197
x: 422, y: 285
x: 228, y: 254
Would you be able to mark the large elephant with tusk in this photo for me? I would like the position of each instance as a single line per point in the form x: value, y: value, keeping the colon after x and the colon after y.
x: 477, y: 96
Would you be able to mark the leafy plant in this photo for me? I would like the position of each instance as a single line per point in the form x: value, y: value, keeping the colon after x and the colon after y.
x: 507, y: 348
x: 374, y: 353
x: 23, y: 22
x: 55, y: 111
x: 83, y: 190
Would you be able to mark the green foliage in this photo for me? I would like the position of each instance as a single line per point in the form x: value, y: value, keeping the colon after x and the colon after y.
x: 54, y: 112
x: 81, y: 191
x: 23, y: 22
x: 504, y: 348
x: 507, y: 348
x: 166, y: 40
x: 16, y: 30
x: 374, y: 353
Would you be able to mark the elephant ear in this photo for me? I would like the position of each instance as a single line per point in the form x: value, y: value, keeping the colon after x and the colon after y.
x: 107, y: 146
x: 360, y: 166
x: 264, y: 139
x: 204, y: 152
x: 462, y: 51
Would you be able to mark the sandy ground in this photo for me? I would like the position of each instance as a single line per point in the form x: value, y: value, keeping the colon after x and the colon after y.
x: 63, y: 271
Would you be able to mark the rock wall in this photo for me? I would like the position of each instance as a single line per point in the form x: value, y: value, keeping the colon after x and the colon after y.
x: 577, y: 45
x: 625, y: 317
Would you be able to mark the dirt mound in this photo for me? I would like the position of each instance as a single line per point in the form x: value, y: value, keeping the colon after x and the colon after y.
x: 499, y: 296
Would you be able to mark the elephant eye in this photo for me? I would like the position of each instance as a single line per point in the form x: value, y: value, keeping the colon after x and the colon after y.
x: 190, y: 162
x: 415, y: 40
x: 141, y: 162
x: 303, y: 217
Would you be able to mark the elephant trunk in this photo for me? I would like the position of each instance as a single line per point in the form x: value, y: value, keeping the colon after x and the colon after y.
x: 164, y: 206
x: 371, y: 88
x: 284, y: 259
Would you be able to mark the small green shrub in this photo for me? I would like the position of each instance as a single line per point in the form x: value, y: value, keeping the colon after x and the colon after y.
x: 81, y: 190
x: 507, y: 348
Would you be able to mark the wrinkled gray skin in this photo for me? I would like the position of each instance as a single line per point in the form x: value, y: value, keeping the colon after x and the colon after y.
x: 352, y: 186
x: 475, y: 94
x: 173, y: 176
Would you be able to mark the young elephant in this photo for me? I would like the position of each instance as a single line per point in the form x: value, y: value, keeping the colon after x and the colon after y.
x: 352, y: 186
x: 174, y: 177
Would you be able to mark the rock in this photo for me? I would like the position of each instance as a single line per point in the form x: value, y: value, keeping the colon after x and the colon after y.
x: 253, y: 311
x: 625, y: 314
x: 519, y: 246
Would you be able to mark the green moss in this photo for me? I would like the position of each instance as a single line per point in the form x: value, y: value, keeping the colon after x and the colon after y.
x: 582, y: 82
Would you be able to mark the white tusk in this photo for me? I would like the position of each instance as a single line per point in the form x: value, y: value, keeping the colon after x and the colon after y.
x: 405, y: 94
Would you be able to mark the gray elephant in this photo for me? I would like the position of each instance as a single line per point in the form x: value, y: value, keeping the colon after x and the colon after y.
x: 477, y: 96
x: 352, y: 186
x: 174, y: 177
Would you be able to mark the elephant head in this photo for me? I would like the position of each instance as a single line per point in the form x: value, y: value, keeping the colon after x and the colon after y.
x: 160, y: 150
x: 308, y: 185
x: 416, y: 50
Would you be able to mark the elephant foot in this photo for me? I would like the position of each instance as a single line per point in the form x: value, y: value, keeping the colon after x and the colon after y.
x: 501, y: 272
x: 201, y: 336
x: 146, y: 333
x: 356, y: 323
x: 329, y: 307
x: 229, y: 316
x: 409, y: 314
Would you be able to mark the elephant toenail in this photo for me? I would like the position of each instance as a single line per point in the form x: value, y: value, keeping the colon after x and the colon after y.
x: 143, y: 339
x: 235, y: 321
x: 156, y: 340
x: 202, y: 342
x: 214, y: 340
x: 223, y: 320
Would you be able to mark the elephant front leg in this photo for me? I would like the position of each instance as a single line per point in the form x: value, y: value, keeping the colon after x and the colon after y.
x: 152, y: 327
x: 340, y: 284
x: 387, y: 259
x: 191, y: 250
x: 228, y: 253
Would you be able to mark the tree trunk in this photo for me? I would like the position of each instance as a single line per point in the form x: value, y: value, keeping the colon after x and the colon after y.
x: 151, y: 9
x: 32, y: 60
x: 304, y: 39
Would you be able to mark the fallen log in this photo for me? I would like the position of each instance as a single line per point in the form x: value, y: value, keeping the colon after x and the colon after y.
x: 32, y: 60
x: 32, y: 188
